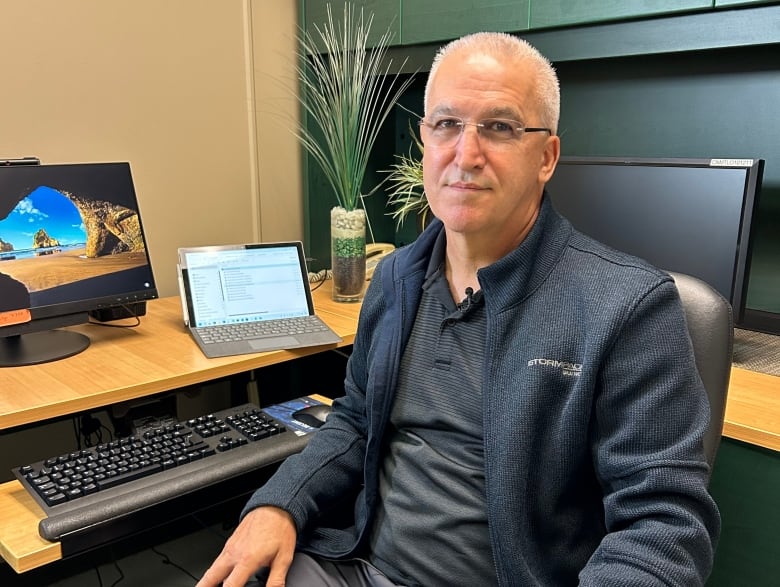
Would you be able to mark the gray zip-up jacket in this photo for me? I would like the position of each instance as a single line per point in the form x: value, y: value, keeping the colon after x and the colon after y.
x: 594, y: 415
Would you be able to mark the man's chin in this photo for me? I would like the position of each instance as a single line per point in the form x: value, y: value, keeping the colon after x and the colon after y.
x: 463, y: 223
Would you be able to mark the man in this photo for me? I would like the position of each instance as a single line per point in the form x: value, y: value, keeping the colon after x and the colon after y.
x: 545, y: 430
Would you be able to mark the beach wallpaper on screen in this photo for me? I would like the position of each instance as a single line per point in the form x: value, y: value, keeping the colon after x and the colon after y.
x: 61, y: 225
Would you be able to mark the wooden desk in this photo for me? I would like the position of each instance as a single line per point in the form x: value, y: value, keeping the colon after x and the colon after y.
x: 160, y: 356
x: 753, y: 408
x: 124, y: 364
x: 120, y: 365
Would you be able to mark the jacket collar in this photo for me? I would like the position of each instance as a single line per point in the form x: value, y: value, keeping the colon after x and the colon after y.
x: 510, y: 279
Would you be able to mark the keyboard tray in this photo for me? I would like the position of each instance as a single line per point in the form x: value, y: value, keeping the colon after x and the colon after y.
x: 217, y: 447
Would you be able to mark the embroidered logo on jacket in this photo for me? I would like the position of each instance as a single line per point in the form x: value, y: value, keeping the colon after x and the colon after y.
x: 566, y: 367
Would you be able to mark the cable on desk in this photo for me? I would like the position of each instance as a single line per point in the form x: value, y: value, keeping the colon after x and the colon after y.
x: 132, y: 315
x: 89, y: 427
x: 341, y: 353
x: 76, y: 433
x: 319, y: 278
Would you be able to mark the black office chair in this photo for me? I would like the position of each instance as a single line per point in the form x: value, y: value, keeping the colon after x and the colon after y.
x: 711, y: 327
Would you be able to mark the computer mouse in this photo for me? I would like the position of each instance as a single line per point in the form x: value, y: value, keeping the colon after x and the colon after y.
x: 313, y: 416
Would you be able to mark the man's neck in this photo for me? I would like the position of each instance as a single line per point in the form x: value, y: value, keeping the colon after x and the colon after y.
x: 468, y: 253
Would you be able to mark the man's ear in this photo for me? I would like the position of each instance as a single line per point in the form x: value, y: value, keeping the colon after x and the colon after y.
x: 550, y: 156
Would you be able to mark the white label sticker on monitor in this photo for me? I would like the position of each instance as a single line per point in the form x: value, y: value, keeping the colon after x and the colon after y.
x: 731, y: 162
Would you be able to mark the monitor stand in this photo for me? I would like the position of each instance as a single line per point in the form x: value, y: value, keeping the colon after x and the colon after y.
x: 40, y: 347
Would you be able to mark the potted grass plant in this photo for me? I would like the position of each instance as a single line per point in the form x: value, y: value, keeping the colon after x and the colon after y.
x: 406, y: 193
x: 347, y: 91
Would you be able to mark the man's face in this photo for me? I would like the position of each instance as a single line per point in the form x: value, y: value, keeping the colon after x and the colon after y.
x: 476, y: 187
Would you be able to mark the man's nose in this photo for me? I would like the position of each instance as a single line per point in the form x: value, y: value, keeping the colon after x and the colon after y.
x: 469, y: 148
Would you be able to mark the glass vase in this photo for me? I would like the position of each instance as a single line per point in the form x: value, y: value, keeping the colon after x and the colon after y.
x: 348, y: 253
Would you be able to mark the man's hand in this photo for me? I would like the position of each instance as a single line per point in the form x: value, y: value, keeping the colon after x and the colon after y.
x: 264, y: 538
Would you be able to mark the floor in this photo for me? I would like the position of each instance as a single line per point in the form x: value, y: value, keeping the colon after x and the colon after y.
x: 171, y: 556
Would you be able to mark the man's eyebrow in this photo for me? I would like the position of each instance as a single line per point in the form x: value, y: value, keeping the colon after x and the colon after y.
x: 442, y: 109
x: 493, y: 112
x: 503, y: 112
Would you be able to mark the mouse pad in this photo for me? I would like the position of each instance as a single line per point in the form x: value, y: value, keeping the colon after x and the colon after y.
x: 285, y: 410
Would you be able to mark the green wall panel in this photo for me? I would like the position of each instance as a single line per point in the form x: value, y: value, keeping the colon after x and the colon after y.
x: 746, y: 486
x: 549, y: 13
x: 386, y: 15
x: 670, y: 33
x: 437, y: 20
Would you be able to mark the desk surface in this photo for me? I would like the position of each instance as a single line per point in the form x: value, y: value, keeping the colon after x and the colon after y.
x: 753, y: 408
x: 127, y: 363
x: 160, y: 356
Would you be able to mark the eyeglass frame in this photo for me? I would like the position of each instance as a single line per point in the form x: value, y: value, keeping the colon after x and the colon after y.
x: 519, y: 129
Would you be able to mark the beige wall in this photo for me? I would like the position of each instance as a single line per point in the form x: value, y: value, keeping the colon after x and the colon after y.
x: 170, y: 86
x: 275, y: 26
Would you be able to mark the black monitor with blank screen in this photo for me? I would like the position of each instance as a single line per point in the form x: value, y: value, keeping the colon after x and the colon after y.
x: 71, y: 243
x: 691, y: 216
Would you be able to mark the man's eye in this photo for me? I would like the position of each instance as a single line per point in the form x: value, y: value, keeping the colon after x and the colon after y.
x: 446, y: 124
x: 501, y: 127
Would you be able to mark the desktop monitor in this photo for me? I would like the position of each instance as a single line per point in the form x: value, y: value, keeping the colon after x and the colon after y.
x: 691, y: 216
x: 71, y: 243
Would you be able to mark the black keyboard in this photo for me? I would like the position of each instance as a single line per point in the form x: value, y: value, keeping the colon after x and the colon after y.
x: 89, y: 486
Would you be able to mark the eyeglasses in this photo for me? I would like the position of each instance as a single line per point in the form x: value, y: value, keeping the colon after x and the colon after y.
x: 444, y: 131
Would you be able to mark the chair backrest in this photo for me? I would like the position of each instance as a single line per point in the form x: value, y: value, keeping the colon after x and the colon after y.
x: 711, y: 327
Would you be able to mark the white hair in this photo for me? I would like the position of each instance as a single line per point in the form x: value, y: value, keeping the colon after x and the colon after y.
x: 504, y: 46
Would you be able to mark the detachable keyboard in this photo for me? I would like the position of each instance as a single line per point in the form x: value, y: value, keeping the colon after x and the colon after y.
x: 252, y: 330
x: 110, y: 480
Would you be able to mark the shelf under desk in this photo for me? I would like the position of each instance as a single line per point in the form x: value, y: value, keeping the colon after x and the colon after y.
x: 20, y: 544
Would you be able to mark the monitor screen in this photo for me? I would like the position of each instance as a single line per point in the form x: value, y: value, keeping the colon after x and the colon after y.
x: 71, y: 242
x: 691, y: 216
